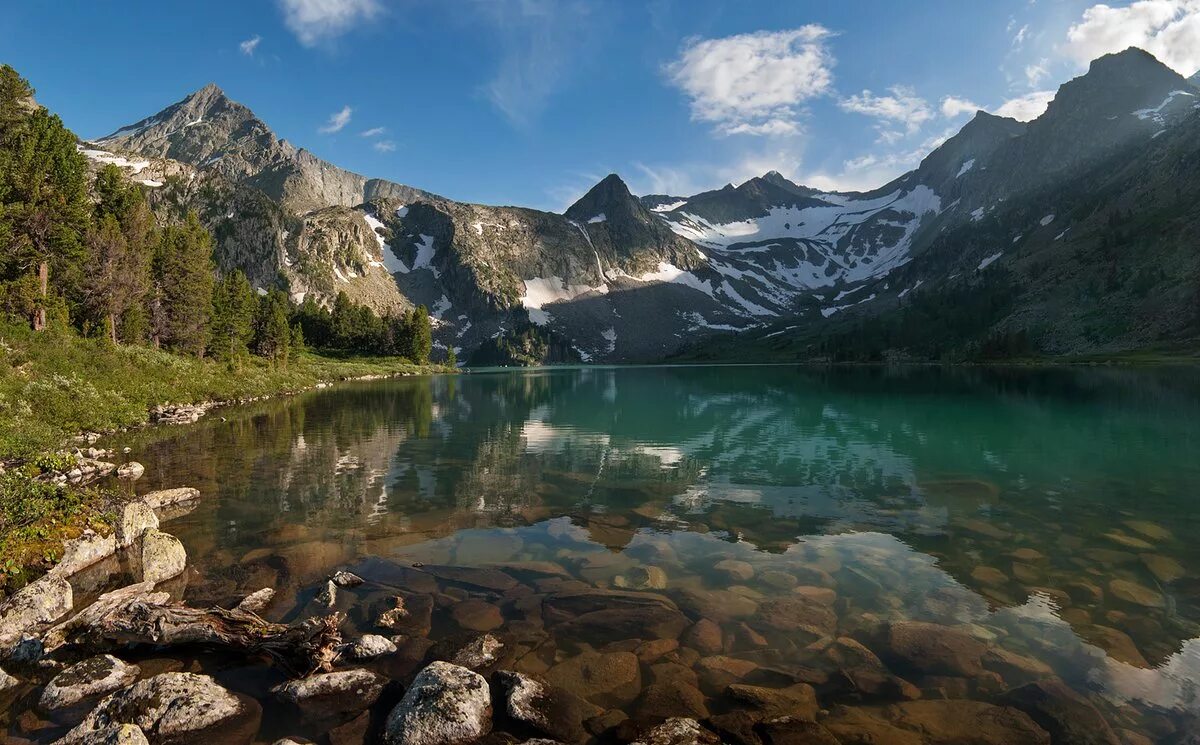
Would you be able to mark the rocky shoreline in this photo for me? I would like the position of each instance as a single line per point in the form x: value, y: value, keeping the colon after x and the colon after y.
x: 515, y: 653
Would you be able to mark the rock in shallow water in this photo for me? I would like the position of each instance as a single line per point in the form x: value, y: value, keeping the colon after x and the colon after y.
x: 933, y: 648
x: 679, y: 731
x: 543, y: 708
x: 172, y: 707
x: 136, y: 518
x: 606, y: 679
x: 446, y: 704
x: 371, y: 645
x: 94, y: 676
x: 163, y: 556
x: 332, y: 693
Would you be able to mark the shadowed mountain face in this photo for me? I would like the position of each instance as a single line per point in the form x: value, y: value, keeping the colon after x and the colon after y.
x: 784, y: 267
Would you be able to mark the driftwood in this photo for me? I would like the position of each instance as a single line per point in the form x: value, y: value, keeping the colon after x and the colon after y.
x: 134, y: 615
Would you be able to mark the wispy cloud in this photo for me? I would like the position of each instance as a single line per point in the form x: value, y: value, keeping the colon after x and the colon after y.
x: 385, y: 146
x: 539, y: 40
x: 871, y: 170
x: 754, y: 83
x: 337, y: 121
x: 902, y: 107
x: 318, y: 21
x: 1036, y: 72
x: 372, y: 132
x: 249, y: 46
x: 1168, y: 29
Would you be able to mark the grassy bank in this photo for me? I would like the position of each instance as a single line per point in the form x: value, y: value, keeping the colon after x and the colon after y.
x: 56, y: 385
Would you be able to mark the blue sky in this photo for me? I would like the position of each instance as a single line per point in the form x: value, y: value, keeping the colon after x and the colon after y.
x: 530, y: 102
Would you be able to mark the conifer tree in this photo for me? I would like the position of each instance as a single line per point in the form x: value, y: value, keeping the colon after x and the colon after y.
x: 119, y: 244
x: 452, y: 358
x: 296, y: 345
x: 422, y: 335
x: 272, y: 332
x: 183, y: 282
x: 45, y: 202
x: 233, y: 311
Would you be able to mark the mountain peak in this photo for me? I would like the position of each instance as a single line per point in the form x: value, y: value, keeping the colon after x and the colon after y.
x: 607, y: 197
x: 1116, y: 83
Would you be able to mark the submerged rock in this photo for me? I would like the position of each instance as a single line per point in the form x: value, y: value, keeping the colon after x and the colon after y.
x: 479, y: 653
x: 41, y: 601
x: 610, y: 679
x: 338, y: 692
x: 257, y: 601
x: 642, y: 578
x: 172, y: 707
x: 933, y: 648
x: 446, y: 704
x: 477, y: 615
x: 94, y: 676
x: 1069, y: 717
x: 543, y: 708
x: 679, y: 731
x: 158, y: 500
x: 411, y: 615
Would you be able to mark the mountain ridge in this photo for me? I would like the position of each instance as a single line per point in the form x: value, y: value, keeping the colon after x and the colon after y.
x: 766, y: 252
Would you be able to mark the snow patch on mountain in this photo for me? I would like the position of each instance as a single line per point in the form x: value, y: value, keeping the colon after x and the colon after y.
x: 988, y: 261
x: 543, y: 291
x: 965, y: 167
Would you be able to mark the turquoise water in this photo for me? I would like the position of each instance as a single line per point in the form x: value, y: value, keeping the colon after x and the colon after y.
x: 1050, y: 514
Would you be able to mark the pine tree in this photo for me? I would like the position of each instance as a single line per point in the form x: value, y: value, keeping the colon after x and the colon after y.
x: 46, y: 207
x: 233, y: 311
x: 183, y: 282
x: 342, y: 321
x: 452, y: 358
x: 272, y: 333
x: 119, y: 244
x: 296, y: 346
x: 422, y: 335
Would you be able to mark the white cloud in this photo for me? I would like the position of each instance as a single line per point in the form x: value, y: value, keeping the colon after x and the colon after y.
x: 249, y: 45
x: 1026, y: 108
x: 903, y: 107
x: 317, y: 21
x: 385, y: 146
x: 1168, y: 29
x: 1021, y: 35
x: 754, y: 83
x: 337, y: 121
x: 372, y: 132
x: 953, y: 106
x: 1035, y: 73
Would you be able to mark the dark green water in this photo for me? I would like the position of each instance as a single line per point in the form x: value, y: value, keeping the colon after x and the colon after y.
x: 1051, y: 513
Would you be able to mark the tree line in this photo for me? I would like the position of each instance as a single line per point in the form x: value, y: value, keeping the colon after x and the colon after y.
x: 87, y: 254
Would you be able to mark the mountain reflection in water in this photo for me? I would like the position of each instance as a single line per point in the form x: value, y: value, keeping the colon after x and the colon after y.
x: 1048, y: 511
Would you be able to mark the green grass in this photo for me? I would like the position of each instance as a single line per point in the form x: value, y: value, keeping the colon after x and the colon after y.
x: 55, y: 385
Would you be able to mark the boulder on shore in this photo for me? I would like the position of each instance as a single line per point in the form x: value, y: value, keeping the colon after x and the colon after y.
x: 41, y: 601
x: 446, y: 704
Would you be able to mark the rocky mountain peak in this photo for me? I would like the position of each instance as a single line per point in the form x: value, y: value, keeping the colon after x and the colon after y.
x: 609, y: 197
x: 1114, y: 85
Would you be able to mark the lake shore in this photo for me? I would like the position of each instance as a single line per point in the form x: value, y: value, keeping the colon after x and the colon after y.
x: 60, y: 393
